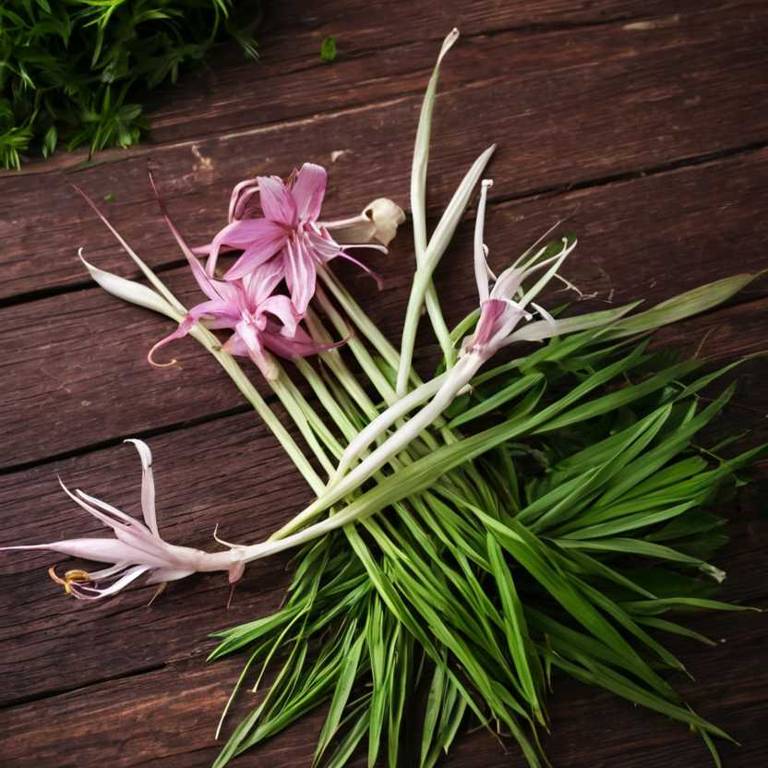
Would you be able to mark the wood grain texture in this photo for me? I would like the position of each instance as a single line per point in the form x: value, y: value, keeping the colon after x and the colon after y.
x: 641, y: 124
x: 166, y: 717
x: 567, y: 105
x: 228, y: 472
x: 83, y: 355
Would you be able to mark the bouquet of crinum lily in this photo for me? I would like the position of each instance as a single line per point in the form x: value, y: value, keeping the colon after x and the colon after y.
x: 471, y: 533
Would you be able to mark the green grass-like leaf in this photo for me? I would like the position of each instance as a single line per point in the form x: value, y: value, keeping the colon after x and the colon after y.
x: 77, y: 72
x: 554, y: 541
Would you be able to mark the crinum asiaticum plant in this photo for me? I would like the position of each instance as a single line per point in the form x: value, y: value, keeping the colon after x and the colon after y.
x: 471, y: 532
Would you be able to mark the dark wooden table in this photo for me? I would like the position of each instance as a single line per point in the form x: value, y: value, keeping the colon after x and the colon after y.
x: 643, y: 122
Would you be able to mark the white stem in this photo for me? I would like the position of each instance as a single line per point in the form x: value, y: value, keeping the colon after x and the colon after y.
x: 384, y: 421
x: 456, y: 379
x: 481, y: 262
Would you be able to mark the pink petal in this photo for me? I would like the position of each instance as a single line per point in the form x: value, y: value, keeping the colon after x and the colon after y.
x: 128, y: 530
x: 211, y: 288
x: 249, y: 335
x: 226, y: 314
x: 122, y: 519
x: 241, y: 194
x: 300, y: 275
x: 491, y: 314
x: 260, y: 284
x: 277, y: 202
x: 498, y: 317
x: 235, y: 346
x: 323, y: 245
x: 301, y: 344
x: 309, y: 190
x: 282, y: 308
x: 99, y: 549
x: 147, y: 485
x: 89, y: 591
x: 261, y: 239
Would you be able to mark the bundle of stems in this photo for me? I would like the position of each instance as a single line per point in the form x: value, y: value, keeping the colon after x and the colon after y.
x: 475, y: 534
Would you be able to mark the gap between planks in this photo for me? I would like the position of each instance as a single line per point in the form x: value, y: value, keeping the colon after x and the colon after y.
x: 544, y: 192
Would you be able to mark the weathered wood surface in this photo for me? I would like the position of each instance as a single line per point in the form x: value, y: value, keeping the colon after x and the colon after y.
x: 567, y: 106
x: 643, y: 124
x: 633, y: 235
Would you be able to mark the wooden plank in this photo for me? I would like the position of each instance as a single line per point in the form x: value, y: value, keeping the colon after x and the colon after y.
x: 598, y: 73
x: 291, y: 81
x: 82, y: 357
x: 230, y: 472
x: 167, y: 718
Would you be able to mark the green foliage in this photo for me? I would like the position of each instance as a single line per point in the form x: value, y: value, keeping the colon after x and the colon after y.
x: 578, y: 513
x: 328, y: 49
x: 73, y: 72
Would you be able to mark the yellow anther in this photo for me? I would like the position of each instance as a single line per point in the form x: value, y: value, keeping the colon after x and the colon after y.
x: 70, y: 577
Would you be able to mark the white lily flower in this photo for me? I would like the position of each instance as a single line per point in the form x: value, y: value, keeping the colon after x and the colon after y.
x: 137, y: 548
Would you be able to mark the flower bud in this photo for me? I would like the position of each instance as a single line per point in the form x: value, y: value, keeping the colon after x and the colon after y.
x: 377, y: 223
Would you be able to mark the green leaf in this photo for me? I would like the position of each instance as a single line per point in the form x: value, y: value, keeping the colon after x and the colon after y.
x: 346, y: 681
x: 328, y: 49
x: 681, y: 306
x: 514, y: 624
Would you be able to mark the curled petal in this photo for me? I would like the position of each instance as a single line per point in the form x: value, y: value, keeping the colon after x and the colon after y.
x: 147, y: 485
x: 242, y: 193
x: 183, y: 329
x: 91, y: 590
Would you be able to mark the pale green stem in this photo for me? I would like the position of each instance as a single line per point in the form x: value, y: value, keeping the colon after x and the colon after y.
x: 284, y: 389
x: 437, y: 246
x: 335, y: 363
x: 418, y: 199
x: 385, y: 420
x: 366, y: 362
x: 369, y: 366
x: 251, y: 394
x: 326, y: 399
x: 358, y: 349
x: 355, y: 312
x: 318, y: 425
x: 396, y: 443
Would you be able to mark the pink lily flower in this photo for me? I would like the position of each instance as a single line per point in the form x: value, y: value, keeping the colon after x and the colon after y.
x: 137, y: 548
x: 503, y: 305
x: 262, y: 322
x: 290, y: 230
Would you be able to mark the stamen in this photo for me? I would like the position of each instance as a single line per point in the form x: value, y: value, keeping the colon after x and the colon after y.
x: 159, y: 591
x: 75, y: 576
